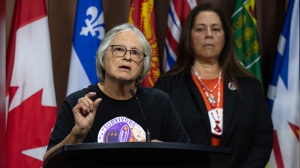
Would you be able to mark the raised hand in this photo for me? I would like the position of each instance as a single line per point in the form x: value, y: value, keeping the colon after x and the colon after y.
x: 84, y: 113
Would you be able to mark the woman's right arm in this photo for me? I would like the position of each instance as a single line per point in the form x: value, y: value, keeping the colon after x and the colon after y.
x: 73, y: 138
x: 84, y: 113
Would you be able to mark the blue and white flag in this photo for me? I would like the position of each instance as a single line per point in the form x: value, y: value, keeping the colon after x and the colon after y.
x: 284, y: 93
x: 88, y: 34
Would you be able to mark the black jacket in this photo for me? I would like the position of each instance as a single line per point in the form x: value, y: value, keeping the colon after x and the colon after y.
x: 247, y: 124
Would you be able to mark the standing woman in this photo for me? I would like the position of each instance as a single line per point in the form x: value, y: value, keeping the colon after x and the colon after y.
x: 219, y: 102
x: 108, y: 111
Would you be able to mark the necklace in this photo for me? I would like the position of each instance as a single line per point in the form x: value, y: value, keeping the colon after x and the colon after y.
x: 211, y: 98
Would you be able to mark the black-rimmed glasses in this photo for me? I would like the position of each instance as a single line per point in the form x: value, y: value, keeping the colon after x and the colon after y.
x: 120, y: 51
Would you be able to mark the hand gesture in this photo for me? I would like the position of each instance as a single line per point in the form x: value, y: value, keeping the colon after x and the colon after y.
x: 84, y: 113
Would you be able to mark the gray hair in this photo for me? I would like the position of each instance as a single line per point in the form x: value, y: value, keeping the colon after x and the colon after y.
x: 101, y: 52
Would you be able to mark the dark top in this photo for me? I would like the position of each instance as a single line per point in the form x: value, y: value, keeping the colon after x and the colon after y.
x: 247, y: 124
x: 122, y: 120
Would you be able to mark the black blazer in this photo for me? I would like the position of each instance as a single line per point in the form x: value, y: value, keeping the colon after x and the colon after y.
x: 247, y: 124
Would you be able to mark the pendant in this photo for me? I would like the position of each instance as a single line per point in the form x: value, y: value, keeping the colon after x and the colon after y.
x: 216, y: 121
x: 211, y: 98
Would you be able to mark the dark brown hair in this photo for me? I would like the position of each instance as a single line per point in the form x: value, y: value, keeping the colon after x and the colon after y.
x: 230, y: 64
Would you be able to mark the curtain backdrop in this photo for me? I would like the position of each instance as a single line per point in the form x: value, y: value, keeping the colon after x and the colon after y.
x: 270, y: 17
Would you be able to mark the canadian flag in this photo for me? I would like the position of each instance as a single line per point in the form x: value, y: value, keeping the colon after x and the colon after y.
x: 31, y: 104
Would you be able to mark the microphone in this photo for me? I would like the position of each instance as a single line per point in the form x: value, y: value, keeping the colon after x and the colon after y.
x: 148, y: 132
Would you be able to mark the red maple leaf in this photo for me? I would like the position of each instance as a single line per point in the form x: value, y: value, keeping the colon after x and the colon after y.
x: 29, y: 126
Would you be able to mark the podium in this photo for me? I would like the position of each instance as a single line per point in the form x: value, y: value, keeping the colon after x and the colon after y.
x: 139, y: 154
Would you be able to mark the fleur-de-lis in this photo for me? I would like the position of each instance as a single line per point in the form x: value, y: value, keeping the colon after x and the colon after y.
x: 94, y: 24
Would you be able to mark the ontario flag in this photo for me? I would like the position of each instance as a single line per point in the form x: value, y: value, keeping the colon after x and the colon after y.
x: 284, y: 93
x: 31, y: 103
x: 178, y: 12
x: 88, y: 34
x: 142, y: 16
x: 244, y: 27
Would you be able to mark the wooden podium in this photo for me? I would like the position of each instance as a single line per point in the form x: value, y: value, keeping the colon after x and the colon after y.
x: 139, y: 154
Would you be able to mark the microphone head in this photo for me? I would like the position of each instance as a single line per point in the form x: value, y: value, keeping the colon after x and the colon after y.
x: 132, y: 92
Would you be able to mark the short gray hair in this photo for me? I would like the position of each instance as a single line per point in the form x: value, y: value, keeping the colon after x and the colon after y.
x: 101, y: 52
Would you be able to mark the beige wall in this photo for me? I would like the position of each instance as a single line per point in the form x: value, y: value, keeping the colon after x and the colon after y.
x: 270, y: 16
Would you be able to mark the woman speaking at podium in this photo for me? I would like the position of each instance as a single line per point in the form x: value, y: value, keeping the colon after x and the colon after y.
x: 118, y: 109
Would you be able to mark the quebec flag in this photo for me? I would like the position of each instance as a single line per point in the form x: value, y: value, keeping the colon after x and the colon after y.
x: 88, y: 34
x: 284, y: 93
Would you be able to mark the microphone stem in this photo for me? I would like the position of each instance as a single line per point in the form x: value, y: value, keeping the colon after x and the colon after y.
x: 148, y: 139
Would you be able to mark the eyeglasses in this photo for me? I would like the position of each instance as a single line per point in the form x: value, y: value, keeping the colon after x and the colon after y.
x: 120, y: 51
